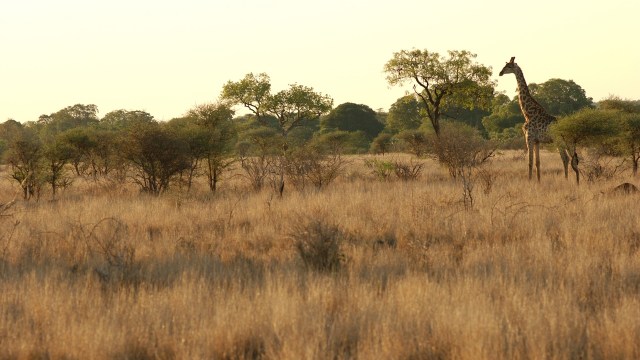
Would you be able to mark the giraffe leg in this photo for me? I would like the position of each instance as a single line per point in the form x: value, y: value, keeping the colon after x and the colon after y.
x: 574, y: 166
x: 565, y: 161
x: 536, y: 147
x: 530, y: 151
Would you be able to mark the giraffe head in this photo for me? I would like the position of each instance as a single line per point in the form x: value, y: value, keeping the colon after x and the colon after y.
x: 509, y: 67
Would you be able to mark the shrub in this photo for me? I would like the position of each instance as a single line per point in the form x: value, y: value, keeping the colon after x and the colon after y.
x: 407, y: 171
x: 319, y: 245
x: 462, y: 150
x: 380, y: 168
x: 381, y: 144
x: 314, y: 165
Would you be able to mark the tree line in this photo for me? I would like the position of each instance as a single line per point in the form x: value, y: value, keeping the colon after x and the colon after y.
x: 297, y: 134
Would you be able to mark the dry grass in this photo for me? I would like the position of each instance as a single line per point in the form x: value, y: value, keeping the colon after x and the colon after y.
x: 545, y: 270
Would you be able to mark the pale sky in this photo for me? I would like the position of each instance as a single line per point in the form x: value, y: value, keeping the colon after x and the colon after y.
x: 165, y: 57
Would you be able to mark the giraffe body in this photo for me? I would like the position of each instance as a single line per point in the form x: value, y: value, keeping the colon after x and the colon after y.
x: 536, y: 125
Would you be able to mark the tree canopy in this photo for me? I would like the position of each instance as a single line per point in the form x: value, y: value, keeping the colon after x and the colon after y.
x: 560, y: 97
x: 70, y: 117
x: 404, y: 114
x: 291, y: 107
x: 352, y: 117
x: 442, y: 83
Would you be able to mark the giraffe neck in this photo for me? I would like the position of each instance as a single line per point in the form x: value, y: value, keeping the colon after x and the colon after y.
x: 531, y: 109
x: 523, y: 90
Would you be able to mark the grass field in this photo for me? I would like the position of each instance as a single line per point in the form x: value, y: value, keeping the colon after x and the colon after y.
x: 365, y: 269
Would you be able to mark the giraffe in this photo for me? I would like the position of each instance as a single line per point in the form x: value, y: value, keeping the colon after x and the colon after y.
x: 536, y: 124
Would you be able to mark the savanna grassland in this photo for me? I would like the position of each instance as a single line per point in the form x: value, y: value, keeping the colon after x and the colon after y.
x: 364, y: 268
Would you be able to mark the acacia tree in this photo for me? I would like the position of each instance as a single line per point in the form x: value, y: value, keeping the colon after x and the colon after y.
x: 442, y: 83
x: 352, y: 117
x: 404, y: 114
x: 628, y: 139
x: 156, y: 155
x: 560, y: 97
x: 56, y: 155
x: 123, y: 119
x: 587, y: 127
x: 290, y: 107
x: 69, y: 117
x: 217, y: 130
x: 24, y: 155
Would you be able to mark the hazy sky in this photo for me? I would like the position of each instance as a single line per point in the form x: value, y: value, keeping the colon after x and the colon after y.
x: 165, y: 56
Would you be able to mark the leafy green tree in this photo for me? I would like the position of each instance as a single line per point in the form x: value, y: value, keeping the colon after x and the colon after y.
x: 442, y: 83
x: 463, y: 150
x: 80, y: 144
x: 24, y: 155
x: 352, y: 117
x: 104, y: 155
x: 123, y: 119
x: 156, y: 155
x: 339, y: 141
x: 616, y: 103
x: 251, y: 91
x: 587, y: 127
x: 257, y: 150
x: 197, y: 138
x: 56, y: 155
x: 413, y: 141
x: 9, y: 130
x: 216, y: 135
x: 628, y: 139
x: 505, y: 117
x: 294, y: 105
x: 70, y: 117
x: 302, y: 134
x: 381, y: 144
x: 471, y: 117
x: 291, y: 107
x: 560, y: 97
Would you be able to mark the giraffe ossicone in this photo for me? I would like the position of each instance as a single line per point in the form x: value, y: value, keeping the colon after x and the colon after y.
x: 536, y: 124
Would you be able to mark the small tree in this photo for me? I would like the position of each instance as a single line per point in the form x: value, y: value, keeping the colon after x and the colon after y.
x: 352, y: 117
x: 156, y: 155
x: 463, y: 150
x: 196, y: 139
x: 381, y: 144
x: 587, y: 127
x: 256, y: 151
x: 218, y: 131
x: 442, y: 83
x: 24, y: 155
x: 314, y: 164
x: 56, y: 155
x: 414, y: 141
x: 125, y: 119
x: 404, y: 114
x: 290, y: 107
x: 560, y: 97
x: 79, y: 143
x: 628, y: 140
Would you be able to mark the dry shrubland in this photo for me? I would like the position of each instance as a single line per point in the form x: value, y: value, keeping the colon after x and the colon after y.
x: 364, y: 268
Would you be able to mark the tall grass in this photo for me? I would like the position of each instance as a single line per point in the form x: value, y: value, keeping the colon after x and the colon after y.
x: 547, y: 270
